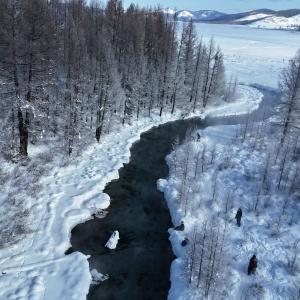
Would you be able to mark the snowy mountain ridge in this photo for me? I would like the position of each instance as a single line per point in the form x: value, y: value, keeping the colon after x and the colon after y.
x: 252, y: 17
x: 276, y: 22
x: 184, y: 15
x: 262, y: 18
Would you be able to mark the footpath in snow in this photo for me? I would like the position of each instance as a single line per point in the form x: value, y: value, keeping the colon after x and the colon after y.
x: 37, y: 267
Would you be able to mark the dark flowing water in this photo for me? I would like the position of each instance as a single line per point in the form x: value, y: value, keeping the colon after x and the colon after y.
x: 139, y: 268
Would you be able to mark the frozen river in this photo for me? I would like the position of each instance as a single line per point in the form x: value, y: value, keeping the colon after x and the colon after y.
x: 139, y: 268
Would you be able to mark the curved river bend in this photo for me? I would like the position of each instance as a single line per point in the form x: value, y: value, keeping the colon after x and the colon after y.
x: 139, y: 268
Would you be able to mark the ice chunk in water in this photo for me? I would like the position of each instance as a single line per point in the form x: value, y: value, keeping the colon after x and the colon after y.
x: 113, y: 240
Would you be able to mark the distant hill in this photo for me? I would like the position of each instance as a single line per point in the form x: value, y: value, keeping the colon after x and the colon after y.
x: 229, y: 18
x: 287, y: 13
x: 264, y: 18
x: 200, y: 15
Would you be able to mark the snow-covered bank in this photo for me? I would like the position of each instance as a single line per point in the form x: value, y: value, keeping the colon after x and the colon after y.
x: 249, y: 99
x: 37, y: 268
x: 237, y: 167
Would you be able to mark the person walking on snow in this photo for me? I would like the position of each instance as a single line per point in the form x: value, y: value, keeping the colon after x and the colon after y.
x: 238, y: 217
x: 180, y: 228
x: 252, y: 265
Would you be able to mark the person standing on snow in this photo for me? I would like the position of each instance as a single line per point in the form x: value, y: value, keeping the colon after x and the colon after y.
x: 252, y: 265
x: 238, y: 217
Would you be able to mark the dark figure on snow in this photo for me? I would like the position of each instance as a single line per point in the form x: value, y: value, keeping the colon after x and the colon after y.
x: 185, y: 242
x: 180, y: 228
x: 252, y: 265
x: 238, y: 217
x: 198, y: 136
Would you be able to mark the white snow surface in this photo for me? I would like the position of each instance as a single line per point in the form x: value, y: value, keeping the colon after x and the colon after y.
x: 249, y: 99
x: 37, y: 267
x: 113, y: 240
x: 255, y: 55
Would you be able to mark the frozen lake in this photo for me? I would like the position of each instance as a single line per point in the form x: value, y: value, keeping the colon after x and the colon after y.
x: 255, y: 55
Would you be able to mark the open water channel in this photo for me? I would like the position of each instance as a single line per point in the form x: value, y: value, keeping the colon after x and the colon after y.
x: 139, y: 268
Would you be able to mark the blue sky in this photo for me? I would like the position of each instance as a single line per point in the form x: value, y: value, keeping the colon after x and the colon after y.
x: 226, y: 6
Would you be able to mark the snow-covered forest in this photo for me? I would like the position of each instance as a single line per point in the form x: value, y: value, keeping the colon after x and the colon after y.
x: 255, y: 167
x: 69, y: 69
x: 80, y: 81
x: 72, y: 73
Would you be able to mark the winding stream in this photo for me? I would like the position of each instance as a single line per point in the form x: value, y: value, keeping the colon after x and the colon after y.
x: 140, y: 266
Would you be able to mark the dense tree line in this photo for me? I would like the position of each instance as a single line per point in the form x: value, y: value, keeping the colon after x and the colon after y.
x: 72, y: 71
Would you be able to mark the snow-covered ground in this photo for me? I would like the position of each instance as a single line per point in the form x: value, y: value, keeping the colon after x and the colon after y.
x: 37, y: 268
x: 255, y: 236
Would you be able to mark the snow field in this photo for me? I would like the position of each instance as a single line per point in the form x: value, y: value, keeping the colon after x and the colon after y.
x: 37, y: 267
x: 256, y: 234
x: 256, y: 56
